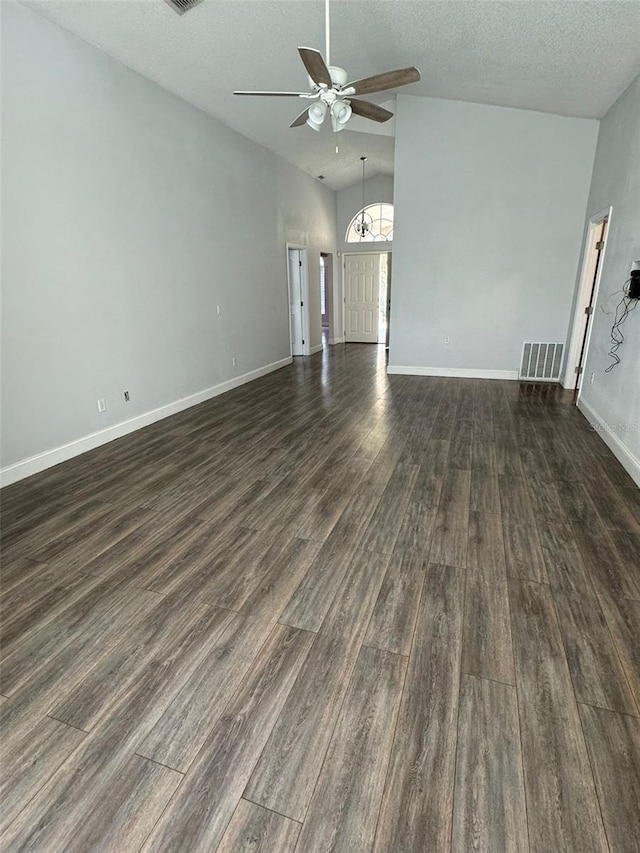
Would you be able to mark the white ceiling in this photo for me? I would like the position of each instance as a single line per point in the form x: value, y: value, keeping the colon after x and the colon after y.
x: 571, y: 57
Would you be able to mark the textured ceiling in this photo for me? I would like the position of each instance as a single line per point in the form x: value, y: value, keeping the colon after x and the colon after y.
x: 571, y: 57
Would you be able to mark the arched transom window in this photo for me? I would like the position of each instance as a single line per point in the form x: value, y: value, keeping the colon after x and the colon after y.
x: 378, y: 224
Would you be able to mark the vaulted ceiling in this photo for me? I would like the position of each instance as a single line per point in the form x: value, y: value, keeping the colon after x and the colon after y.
x: 561, y: 56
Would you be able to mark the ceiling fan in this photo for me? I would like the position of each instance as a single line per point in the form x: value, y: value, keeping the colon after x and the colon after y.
x: 332, y: 94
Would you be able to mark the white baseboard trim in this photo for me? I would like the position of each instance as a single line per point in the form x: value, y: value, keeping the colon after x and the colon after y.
x: 316, y: 349
x: 625, y: 457
x: 461, y: 372
x: 333, y: 341
x: 49, y: 458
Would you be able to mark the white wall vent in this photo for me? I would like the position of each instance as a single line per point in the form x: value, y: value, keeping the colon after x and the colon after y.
x: 541, y: 362
x: 182, y: 6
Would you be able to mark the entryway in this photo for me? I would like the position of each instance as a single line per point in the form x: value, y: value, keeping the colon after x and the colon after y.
x: 366, y: 297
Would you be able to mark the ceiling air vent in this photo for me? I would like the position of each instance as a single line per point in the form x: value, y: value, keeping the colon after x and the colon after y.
x: 541, y: 362
x: 182, y: 6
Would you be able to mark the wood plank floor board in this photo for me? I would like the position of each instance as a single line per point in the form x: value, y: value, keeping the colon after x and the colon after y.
x: 30, y: 761
x: 75, y: 549
x: 153, y: 638
x: 428, y: 484
x: 16, y: 571
x: 140, y: 555
x: 562, y: 806
x: 344, y: 808
x: 576, y: 502
x: 84, y: 627
x: 521, y: 540
x: 416, y: 528
x: 177, y: 563
x: 613, y: 507
x: 565, y: 568
x: 508, y: 459
x: 37, y: 601
x: 381, y: 469
x: 613, y: 741
x: 596, y: 670
x: 122, y: 719
x: 312, y: 599
x: 487, y: 646
x: 489, y: 803
x: 253, y: 829
x: 627, y: 546
x: 417, y: 804
x: 230, y: 572
x: 116, y: 816
x: 394, y: 616
x: 486, y: 542
x: 609, y: 571
x: 546, y: 500
x: 33, y: 536
x: 485, y: 487
x: 322, y: 517
x: 198, y: 815
x: 383, y: 529
x: 623, y: 619
x: 450, y: 533
x: 183, y: 727
x: 460, y: 445
x: 231, y: 583
x: 288, y: 769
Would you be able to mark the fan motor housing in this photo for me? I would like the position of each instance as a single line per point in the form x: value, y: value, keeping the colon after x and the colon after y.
x: 338, y: 77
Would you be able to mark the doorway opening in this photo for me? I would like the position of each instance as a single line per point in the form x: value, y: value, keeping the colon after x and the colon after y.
x: 367, y: 297
x: 298, y: 284
x: 326, y: 297
x: 595, y: 245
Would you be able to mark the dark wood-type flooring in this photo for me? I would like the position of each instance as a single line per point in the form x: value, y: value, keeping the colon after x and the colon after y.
x: 331, y: 610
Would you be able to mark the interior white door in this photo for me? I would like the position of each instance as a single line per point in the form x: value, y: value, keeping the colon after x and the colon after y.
x: 296, y: 302
x: 362, y: 292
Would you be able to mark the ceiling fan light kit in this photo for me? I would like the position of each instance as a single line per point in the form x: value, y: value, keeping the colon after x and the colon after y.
x: 316, y: 114
x: 332, y: 94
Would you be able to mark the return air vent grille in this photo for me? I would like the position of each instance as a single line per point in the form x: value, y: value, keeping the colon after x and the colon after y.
x: 541, y: 362
x: 182, y: 6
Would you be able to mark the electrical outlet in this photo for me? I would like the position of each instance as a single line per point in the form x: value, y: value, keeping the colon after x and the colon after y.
x: 591, y: 378
x: 234, y: 362
x: 127, y: 397
x: 447, y: 339
x: 102, y: 405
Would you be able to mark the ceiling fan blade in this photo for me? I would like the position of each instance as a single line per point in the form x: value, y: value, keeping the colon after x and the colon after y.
x: 369, y: 110
x: 316, y: 66
x: 388, y: 80
x: 302, y: 119
x: 276, y: 94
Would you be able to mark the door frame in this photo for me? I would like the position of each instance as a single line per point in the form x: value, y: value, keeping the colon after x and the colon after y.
x: 304, y: 286
x: 344, y: 290
x: 583, y: 298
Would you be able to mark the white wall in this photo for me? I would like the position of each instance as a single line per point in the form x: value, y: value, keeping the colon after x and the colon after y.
x: 489, y: 209
x: 307, y: 217
x: 613, y: 400
x: 128, y: 216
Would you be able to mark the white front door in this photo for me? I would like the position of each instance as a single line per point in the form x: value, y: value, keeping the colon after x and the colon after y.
x: 362, y: 292
x: 296, y: 302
